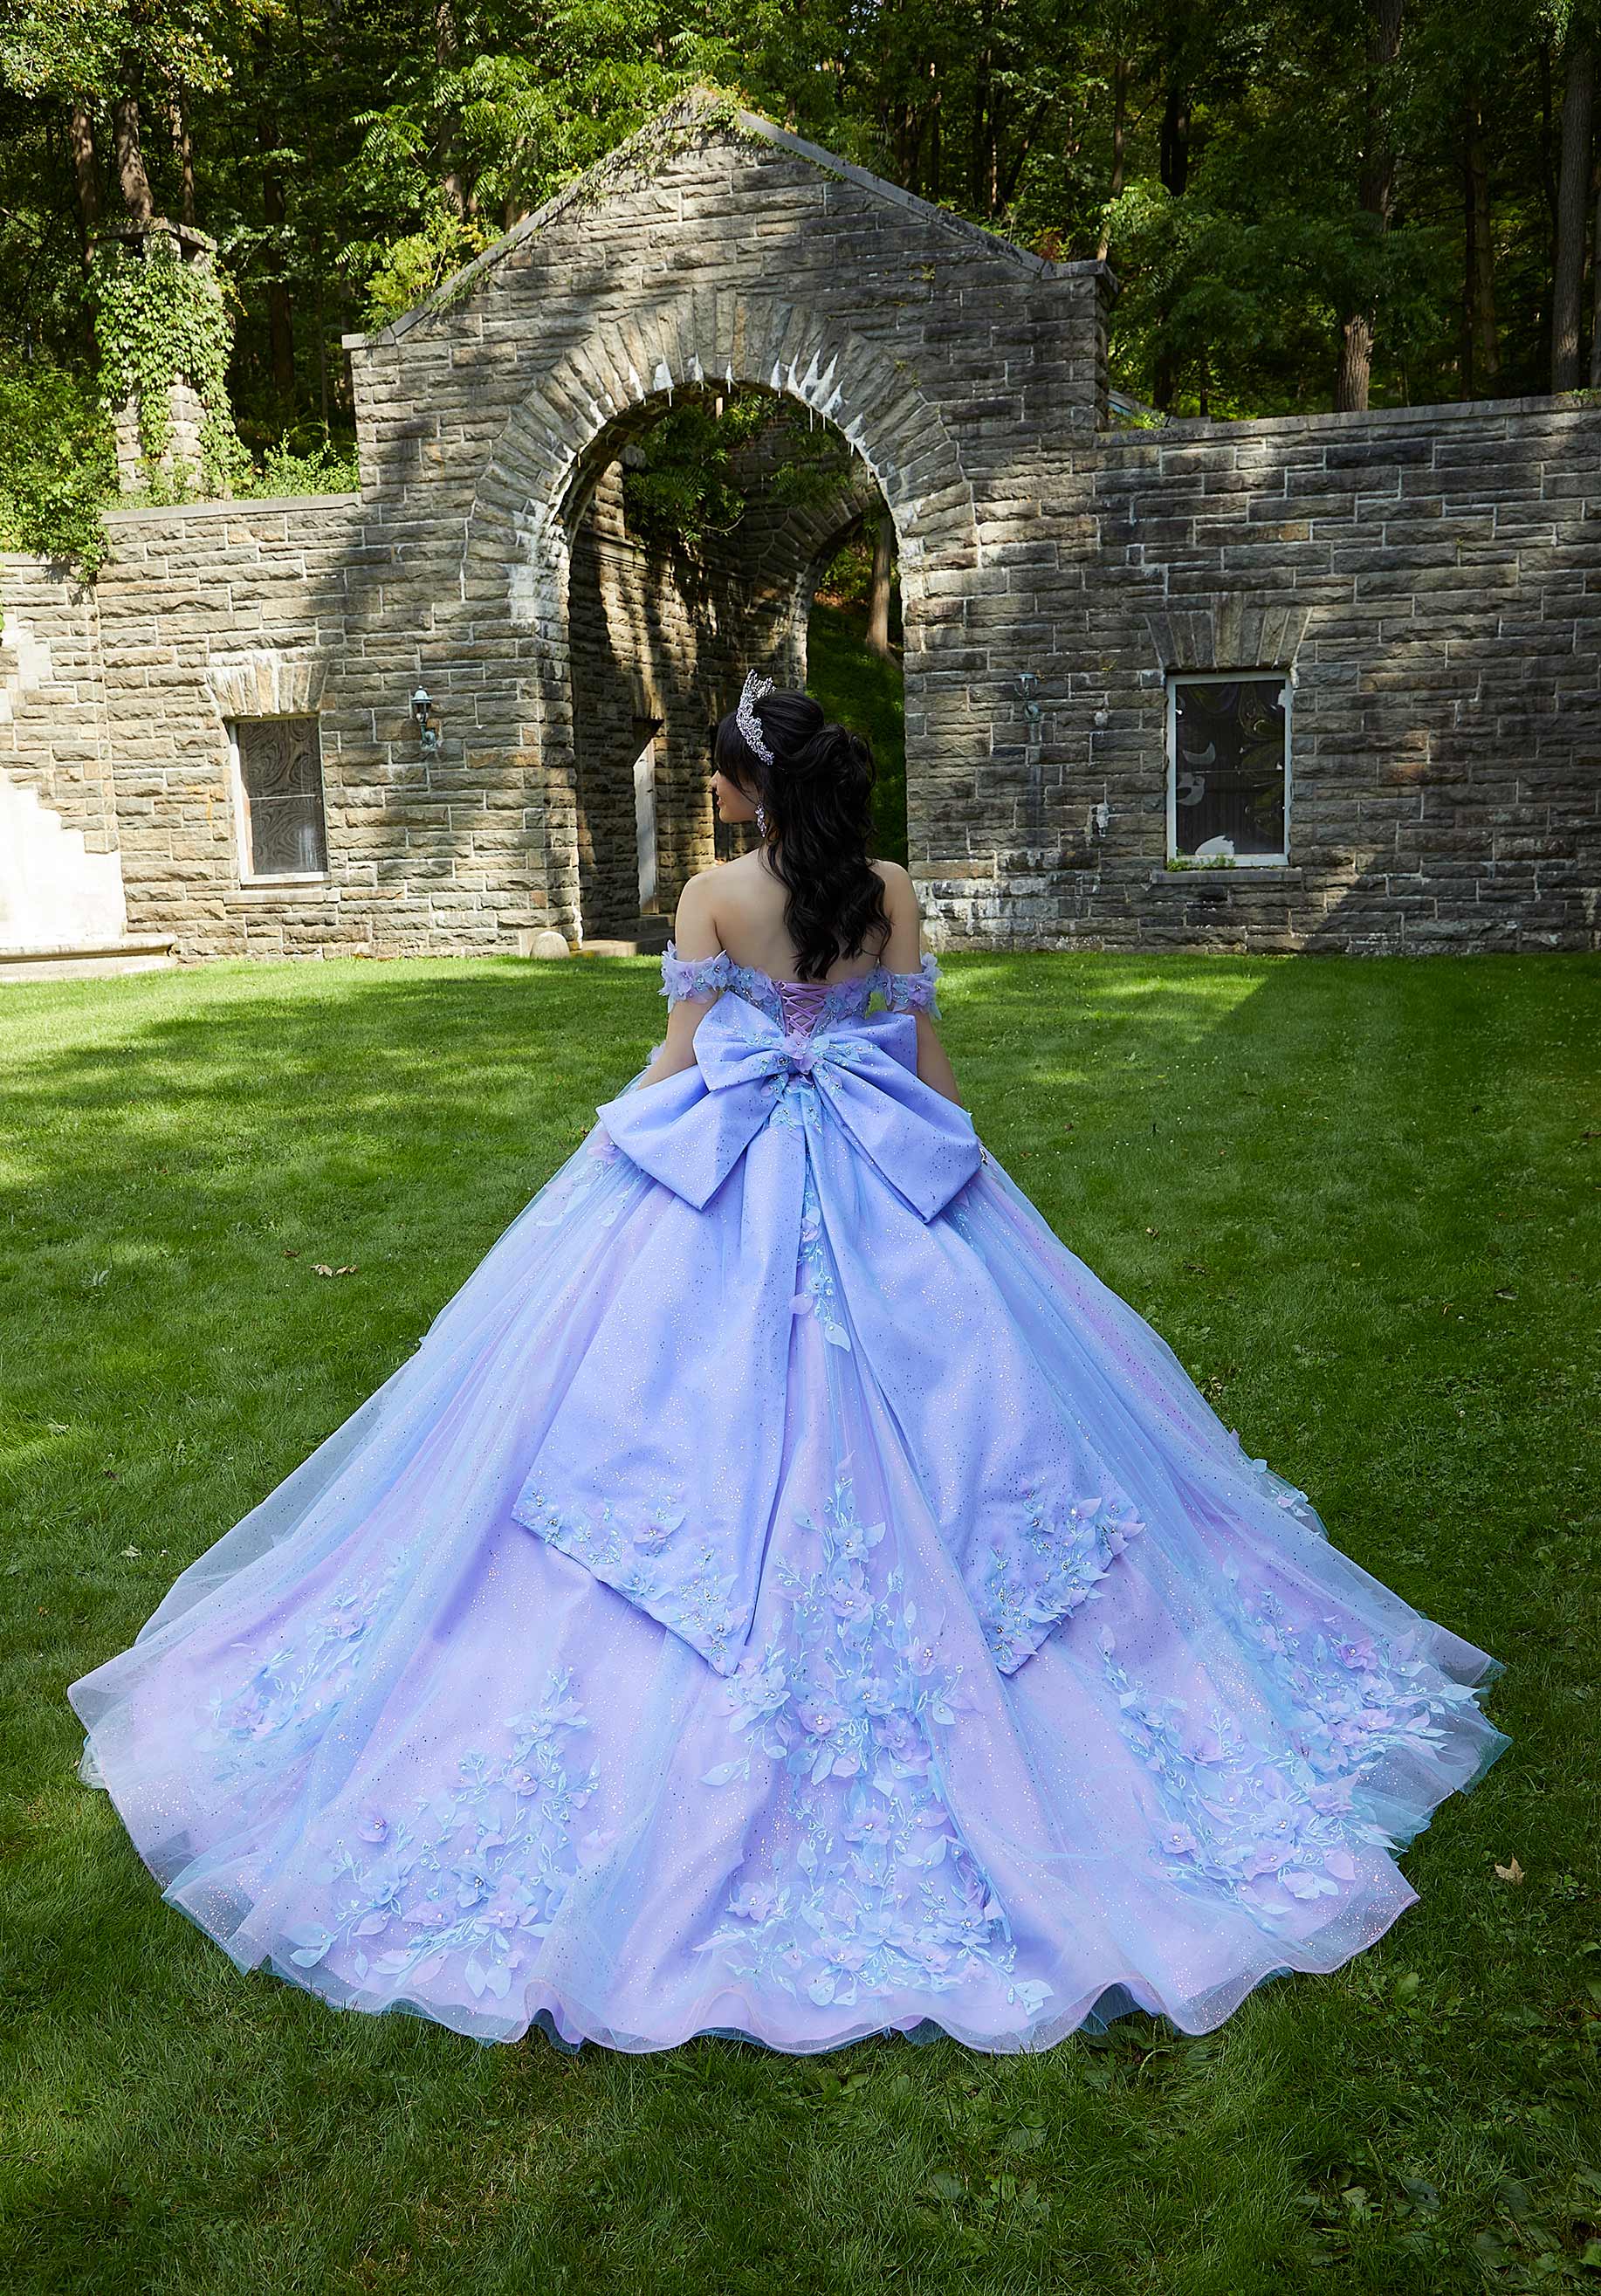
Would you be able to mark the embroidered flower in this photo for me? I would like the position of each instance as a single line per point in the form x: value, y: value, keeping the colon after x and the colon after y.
x: 877, y: 1893
x: 1275, y: 1827
x: 1039, y: 1574
x: 292, y: 1695
x: 817, y: 1293
x: 466, y: 1887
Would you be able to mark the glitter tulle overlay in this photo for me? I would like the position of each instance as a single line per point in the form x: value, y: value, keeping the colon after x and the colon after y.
x: 786, y: 1594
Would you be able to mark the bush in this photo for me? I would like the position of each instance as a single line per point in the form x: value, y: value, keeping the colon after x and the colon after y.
x: 322, y: 469
x: 58, y: 462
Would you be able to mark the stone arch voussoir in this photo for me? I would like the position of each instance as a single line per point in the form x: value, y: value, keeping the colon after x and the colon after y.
x: 623, y: 373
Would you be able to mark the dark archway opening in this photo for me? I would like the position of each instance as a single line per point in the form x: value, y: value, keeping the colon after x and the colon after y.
x: 726, y: 529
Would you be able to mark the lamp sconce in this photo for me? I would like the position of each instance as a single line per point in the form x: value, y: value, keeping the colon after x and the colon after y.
x: 428, y: 734
x: 1028, y: 685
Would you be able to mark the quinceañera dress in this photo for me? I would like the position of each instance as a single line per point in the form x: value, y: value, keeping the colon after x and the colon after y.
x: 786, y: 1594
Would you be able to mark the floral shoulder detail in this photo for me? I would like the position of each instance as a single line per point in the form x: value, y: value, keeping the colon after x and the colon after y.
x: 910, y: 992
x: 694, y: 976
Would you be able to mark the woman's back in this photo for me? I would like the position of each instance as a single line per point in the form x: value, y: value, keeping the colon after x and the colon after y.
x: 744, y: 900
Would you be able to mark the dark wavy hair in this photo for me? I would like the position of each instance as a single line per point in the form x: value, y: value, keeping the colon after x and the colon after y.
x: 818, y: 799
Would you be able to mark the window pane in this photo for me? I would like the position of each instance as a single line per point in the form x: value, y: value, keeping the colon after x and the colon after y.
x: 281, y: 773
x: 1229, y: 767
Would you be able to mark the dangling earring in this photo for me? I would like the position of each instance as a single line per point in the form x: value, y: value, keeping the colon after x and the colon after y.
x: 761, y: 823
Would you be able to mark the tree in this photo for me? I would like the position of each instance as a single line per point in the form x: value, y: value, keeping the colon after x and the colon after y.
x: 1572, y: 207
x: 1375, y: 194
x: 878, y: 589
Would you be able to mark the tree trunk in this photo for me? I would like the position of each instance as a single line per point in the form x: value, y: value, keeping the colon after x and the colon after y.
x: 1174, y: 152
x: 981, y: 165
x: 280, y: 306
x: 85, y: 175
x: 178, y: 117
x: 1596, y: 325
x: 1547, y: 171
x: 1481, y: 346
x: 1123, y: 73
x: 1375, y: 194
x: 936, y: 142
x: 1008, y: 181
x: 131, y: 178
x: 1572, y: 214
x: 447, y: 123
x: 878, y: 596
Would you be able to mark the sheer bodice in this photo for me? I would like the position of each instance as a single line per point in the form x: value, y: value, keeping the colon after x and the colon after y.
x: 799, y: 1007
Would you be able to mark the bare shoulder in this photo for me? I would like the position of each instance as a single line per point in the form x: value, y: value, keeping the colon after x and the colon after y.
x: 695, y: 920
x: 899, y: 887
x: 902, y: 950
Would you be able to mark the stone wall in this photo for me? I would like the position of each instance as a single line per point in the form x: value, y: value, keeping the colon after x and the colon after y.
x: 1429, y: 578
x: 945, y: 356
x: 54, y: 737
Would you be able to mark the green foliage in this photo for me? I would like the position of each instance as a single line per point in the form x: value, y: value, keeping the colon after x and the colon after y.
x: 320, y: 469
x: 87, y: 48
x: 402, y: 272
x: 865, y: 691
x: 158, y: 319
x: 693, y: 473
x: 847, y: 579
x: 677, y: 483
x: 57, y: 463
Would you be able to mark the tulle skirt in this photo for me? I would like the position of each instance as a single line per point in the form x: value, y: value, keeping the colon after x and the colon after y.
x: 639, y: 1662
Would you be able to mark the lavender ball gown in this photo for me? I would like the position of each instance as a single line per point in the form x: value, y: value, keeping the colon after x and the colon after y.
x: 784, y: 1594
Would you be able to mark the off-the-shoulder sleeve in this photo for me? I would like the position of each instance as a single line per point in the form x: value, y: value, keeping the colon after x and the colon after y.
x: 912, y: 992
x: 693, y: 976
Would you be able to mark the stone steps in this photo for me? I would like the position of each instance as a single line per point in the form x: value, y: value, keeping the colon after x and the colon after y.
x: 86, y: 961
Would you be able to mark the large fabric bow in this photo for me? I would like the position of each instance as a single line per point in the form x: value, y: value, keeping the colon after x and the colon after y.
x: 690, y: 1130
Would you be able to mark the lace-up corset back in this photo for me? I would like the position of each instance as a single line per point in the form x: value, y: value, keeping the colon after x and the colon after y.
x: 799, y: 1007
x: 801, y: 1004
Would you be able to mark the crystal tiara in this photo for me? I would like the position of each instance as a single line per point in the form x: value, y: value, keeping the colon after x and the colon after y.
x: 748, y: 724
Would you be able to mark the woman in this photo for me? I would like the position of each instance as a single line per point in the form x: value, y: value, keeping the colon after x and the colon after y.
x: 785, y: 1594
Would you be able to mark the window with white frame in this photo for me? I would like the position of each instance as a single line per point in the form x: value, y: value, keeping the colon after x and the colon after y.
x: 1228, y: 766
x: 278, y: 797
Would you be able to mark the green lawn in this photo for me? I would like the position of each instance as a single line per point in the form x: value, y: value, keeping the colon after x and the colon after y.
x: 1360, y: 1201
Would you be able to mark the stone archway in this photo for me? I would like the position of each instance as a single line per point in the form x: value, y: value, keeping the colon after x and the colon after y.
x: 716, y: 247
x: 516, y: 556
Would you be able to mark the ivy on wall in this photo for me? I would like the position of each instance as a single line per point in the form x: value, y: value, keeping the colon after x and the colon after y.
x: 159, y: 319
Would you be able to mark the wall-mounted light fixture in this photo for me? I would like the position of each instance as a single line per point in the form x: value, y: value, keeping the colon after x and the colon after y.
x: 428, y: 734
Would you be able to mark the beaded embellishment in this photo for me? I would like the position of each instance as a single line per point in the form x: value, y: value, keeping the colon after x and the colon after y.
x: 708, y: 976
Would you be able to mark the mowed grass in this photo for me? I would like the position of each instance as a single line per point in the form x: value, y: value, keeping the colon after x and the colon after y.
x: 1359, y: 1198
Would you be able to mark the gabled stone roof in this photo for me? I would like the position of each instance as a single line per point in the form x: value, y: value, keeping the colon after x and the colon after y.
x: 634, y: 160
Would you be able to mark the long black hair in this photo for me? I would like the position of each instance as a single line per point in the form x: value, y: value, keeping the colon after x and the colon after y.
x: 816, y: 797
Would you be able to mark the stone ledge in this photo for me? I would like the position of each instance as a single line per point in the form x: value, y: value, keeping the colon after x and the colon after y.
x: 239, y: 506
x: 1254, y: 873
x: 97, y: 960
x: 310, y: 885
